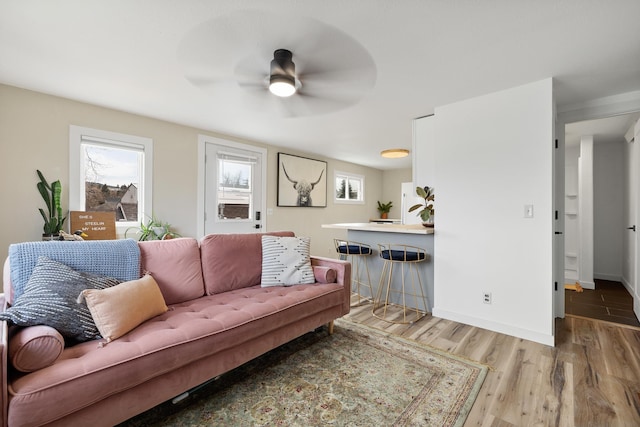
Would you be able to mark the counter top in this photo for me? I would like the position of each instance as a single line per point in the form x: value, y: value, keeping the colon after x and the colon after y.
x: 387, y: 228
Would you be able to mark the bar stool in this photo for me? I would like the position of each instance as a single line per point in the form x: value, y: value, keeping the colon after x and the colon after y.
x: 406, y: 257
x: 359, y: 253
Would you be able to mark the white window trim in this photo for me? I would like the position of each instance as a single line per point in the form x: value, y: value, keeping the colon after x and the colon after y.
x: 76, y: 190
x: 336, y: 174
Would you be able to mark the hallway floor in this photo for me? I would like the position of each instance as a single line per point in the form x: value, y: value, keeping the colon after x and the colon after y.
x: 609, y: 301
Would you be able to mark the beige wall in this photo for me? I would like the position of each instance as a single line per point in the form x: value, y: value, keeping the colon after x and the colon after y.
x: 34, y: 134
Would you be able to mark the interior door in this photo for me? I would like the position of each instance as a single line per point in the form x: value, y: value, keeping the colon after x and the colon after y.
x: 559, y: 192
x: 634, y: 230
x: 234, y: 189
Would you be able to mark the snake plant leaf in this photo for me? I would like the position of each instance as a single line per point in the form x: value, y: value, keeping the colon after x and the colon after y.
x: 46, y: 227
x: 43, y: 180
x: 45, y: 196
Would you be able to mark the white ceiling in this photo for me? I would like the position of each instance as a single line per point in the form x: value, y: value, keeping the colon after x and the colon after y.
x: 605, y: 130
x: 134, y: 55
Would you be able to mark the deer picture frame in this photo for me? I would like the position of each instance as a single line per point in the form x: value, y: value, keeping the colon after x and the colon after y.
x: 302, y: 182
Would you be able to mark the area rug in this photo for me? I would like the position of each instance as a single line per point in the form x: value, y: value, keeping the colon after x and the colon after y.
x: 358, y: 376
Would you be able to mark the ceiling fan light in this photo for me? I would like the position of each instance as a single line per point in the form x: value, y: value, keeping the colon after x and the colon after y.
x: 394, y: 153
x: 282, y: 86
x: 282, y: 78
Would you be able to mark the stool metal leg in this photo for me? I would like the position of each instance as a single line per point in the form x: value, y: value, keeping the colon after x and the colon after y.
x: 357, y: 253
x: 408, y: 265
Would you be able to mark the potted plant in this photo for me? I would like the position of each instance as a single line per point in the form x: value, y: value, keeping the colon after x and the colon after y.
x: 153, y: 230
x: 427, y: 212
x: 384, y: 209
x: 53, y: 219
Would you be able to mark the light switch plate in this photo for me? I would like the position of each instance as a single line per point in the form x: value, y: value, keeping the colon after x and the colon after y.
x: 528, y: 211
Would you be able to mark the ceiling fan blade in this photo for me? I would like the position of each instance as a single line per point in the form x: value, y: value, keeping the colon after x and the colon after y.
x: 231, y: 55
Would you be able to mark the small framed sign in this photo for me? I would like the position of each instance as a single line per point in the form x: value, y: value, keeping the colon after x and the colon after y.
x: 96, y: 225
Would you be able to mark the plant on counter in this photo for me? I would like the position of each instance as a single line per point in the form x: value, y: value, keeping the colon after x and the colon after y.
x: 51, y: 194
x: 153, y: 230
x: 384, y: 209
x: 427, y: 212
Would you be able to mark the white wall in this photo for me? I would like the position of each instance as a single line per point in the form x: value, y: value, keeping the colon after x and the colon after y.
x: 34, y: 134
x: 493, y: 156
x: 608, y: 198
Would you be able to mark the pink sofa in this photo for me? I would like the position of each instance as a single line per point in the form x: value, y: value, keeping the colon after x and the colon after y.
x: 219, y: 317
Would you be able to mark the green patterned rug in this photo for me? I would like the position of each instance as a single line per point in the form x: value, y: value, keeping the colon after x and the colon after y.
x: 357, y: 376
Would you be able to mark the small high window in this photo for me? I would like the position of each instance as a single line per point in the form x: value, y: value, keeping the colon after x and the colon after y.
x: 349, y: 188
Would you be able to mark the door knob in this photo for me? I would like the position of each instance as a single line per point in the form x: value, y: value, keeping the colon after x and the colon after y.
x: 633, y: 227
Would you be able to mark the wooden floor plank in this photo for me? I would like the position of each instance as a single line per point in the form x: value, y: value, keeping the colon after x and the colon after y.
x: 590, y: 378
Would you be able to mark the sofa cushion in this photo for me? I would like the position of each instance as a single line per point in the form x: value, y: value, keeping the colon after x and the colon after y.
x: 50, y: 298
x: 119, y: 309
x: 175, y: 266
x: 286, y: 261
x: 34, y: 347
x: 114, y: 258
x: 232, y: 261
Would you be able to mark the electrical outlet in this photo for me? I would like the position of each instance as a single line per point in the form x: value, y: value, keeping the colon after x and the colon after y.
x: 486, y: 297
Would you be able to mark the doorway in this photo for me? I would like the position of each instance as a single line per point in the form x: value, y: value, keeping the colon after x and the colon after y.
x: 231, y: 187
x: 600, y: 208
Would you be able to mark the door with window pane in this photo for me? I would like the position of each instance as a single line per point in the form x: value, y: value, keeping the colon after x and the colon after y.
x: 233, y: 190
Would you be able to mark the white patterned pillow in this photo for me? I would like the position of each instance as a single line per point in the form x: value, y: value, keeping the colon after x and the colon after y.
x: 285, y: 261
x: 50, y: 298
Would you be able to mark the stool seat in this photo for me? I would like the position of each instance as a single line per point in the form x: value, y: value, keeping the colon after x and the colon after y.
x: 359, y: 253
x: 408, y: 296
x: 402, y: 255
x: 354, y: 249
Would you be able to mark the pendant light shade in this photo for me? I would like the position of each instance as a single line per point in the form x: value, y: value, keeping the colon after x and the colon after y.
x: 394, y: 153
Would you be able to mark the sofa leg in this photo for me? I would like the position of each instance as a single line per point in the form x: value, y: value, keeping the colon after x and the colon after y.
x: 330, y: 326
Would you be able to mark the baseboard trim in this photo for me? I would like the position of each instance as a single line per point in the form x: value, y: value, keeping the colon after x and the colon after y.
x: 496, y: 327
x: 611, y: 277
x: 587, y: 285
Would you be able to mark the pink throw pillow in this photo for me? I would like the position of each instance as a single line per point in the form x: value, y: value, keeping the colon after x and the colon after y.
x: 35, y: 347
x: 324, y: 274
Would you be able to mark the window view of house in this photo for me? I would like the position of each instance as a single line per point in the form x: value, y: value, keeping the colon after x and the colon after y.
x: 112, y: 177
x: 234, y: 187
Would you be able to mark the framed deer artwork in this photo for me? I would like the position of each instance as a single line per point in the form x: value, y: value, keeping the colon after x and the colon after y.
x: 302, y: 182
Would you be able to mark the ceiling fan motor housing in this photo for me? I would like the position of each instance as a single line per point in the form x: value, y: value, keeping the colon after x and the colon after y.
x: 282, y: 67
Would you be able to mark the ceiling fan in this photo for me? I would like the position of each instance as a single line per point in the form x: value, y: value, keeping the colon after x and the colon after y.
x: 244, y: 57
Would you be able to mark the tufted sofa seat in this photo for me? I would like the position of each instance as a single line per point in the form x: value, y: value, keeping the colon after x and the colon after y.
x: 194, y: 341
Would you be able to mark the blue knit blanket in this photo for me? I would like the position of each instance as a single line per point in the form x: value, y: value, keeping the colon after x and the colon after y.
x: 114, y: 258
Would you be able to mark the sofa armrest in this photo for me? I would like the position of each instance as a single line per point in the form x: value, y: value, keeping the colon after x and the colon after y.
x: 343, y: 276
x: 4, y: 350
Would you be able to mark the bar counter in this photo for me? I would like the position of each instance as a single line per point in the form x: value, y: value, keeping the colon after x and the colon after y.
x: 409, y: 234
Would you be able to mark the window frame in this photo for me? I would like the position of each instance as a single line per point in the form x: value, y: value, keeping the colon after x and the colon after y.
x: 79, y: 134
x: 348, y: 176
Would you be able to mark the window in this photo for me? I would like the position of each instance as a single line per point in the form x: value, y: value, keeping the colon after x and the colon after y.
x: 349, y: 188
x: 235, y: 178
x: 110, y: 172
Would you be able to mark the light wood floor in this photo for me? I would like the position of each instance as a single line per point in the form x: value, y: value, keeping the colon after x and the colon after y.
x: 590, y: 378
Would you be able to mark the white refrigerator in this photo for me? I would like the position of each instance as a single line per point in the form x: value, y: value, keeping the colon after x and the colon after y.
x: 410, y: 198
